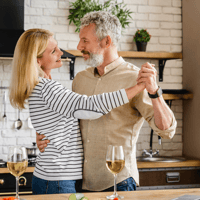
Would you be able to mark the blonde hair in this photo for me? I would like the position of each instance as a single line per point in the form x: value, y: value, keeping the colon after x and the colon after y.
x: 25, y: 69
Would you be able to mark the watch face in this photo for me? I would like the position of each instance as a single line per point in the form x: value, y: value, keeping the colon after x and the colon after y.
x: 159, y: 92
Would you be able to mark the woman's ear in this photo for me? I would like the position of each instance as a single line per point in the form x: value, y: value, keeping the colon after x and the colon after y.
x: 38, y: 62
x: 106, y: 42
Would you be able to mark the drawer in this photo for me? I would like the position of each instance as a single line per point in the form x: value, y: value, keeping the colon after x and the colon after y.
x: 9, y: 184
x: 175, y: 176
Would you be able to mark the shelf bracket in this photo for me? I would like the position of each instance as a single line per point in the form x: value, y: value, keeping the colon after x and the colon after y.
x: 169, y: 103
x: 71, y: 68
x: 161, y: 69
x: 71, y: 59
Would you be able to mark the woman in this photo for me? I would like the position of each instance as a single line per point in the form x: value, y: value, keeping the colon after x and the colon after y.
x: 55, y: 110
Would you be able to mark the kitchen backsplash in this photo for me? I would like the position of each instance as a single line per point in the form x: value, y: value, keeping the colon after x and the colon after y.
x: 163, y: 20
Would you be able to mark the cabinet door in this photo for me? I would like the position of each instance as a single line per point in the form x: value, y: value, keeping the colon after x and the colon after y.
x: 169, y: 177
x: 9, y: 184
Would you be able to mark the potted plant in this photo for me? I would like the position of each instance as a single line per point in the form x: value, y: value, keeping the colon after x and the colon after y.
x: 141, y: 38
x: 79, y: 8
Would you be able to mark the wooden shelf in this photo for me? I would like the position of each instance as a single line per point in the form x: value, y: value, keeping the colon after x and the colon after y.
x: 131, y: 54
x: 75, y: 52
x: 178, y: 96
x: 151, y: 55
x: 161, y: 56
x: 171, y: 94
x: 139, y: 55
x: 10, y: 58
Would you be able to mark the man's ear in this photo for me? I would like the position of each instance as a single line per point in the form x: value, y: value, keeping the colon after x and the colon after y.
x: 106, y: 42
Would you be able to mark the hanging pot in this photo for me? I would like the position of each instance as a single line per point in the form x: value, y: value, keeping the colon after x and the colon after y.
x: 141, y: 46
x: 2, y: 163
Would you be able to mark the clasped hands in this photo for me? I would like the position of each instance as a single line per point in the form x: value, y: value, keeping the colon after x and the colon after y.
x: 147, y: 76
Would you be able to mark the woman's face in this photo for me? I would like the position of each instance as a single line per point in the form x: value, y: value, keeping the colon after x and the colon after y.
x: 51, y: 57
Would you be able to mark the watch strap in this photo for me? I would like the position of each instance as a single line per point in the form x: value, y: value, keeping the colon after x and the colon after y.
x: 157, y: 94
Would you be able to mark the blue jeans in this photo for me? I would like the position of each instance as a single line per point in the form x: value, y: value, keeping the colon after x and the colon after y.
x: 41, y: 186
x: 126, y: 185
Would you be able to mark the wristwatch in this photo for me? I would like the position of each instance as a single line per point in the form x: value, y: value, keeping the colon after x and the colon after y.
x: 157, y: 94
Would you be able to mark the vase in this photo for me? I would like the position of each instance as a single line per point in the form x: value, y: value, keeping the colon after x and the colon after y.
x: 141, y: 46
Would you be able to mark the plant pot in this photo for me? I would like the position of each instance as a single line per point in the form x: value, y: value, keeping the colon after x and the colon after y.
x: 141, y: 46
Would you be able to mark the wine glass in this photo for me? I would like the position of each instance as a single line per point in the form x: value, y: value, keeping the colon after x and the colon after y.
x: 115, y: 163
x: 17, y: 163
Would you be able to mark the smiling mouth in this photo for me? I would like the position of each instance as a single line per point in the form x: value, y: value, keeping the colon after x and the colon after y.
x: 85, y: 52
x: 58, y: 60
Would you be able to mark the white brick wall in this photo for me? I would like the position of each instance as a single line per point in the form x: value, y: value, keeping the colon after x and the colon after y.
x: 163, y: 20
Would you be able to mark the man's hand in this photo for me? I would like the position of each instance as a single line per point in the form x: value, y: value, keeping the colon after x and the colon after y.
x: 162, y: 114
x: 147, y: 75
x: 41, y: 144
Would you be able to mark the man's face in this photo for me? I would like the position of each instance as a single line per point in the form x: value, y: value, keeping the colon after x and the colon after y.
x: 90, y: 46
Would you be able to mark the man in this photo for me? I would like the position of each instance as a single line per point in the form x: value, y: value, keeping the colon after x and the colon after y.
x: 99, y: 34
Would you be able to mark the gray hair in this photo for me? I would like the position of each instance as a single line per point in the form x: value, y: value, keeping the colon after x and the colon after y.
x: 106, y: 24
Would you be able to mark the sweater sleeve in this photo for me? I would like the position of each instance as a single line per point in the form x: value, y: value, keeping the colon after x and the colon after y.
x: 71, y: 104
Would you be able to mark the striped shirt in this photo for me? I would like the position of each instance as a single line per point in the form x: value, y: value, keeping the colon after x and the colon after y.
x: 54, y: 112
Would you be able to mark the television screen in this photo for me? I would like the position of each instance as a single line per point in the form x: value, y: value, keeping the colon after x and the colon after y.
x: 11, y: 25
x: 12, y: 14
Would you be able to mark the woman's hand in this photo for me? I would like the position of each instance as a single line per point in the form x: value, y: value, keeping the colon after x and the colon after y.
x: 141, y: 87
x: 41, y: 144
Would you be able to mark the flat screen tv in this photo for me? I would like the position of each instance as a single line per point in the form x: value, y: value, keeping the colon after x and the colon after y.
x: 11, y: 25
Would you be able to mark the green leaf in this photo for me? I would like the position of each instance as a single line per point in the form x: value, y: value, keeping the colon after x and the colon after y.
x: 142, y: 36
x: 79, y: 8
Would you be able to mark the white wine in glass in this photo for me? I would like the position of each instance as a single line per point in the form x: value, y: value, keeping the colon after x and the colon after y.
x: 115, y: 162
x: 17, y: 163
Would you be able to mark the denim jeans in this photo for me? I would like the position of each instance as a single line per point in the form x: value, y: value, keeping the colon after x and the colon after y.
x: 126, y: 185
x: 41, y: 186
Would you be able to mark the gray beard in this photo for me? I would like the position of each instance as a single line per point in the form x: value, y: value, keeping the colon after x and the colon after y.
x: 95, y: 60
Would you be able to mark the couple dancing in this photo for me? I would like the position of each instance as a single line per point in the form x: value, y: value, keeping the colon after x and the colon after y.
x: 79, y: 128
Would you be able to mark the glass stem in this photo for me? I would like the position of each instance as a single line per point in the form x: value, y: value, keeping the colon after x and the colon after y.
x: 17, y: 187
x: 115, y: 185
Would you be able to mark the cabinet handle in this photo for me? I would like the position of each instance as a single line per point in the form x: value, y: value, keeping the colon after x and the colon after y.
x: 173, y: 177
x: 1, y: 181
x: 22, y: 184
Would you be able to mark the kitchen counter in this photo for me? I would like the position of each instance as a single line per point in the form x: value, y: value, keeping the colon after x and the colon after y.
x: 186, y: 163
x: 136, y: 195
x: 4, y: 170
x: 141, y: 165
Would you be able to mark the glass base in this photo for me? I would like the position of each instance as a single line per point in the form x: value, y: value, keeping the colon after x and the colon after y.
x: 114, y: 196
